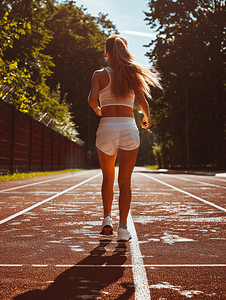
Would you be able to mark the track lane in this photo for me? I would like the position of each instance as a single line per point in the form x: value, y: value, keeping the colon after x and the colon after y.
x: 32, y: 184
x: 197, y: 181
x: 46, y: 200
x: 185, y: 192
x: 57, y: 247
x: 58, y: 243
x: 19, y: 197
x: 182, y: 241
x: 215, y: 194
x: 14, y: 184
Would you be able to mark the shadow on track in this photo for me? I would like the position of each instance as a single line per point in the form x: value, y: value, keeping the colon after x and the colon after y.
x: 87, y: 278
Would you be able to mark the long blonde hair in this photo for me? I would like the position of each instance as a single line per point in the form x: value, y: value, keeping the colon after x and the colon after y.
x: 128, y: 75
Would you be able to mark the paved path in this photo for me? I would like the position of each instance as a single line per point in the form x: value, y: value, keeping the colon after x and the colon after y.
x: 51, y: 247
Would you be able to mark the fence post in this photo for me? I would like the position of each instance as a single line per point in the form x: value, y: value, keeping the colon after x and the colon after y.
x: 43, y: 144
x: 65, y: 153
x: 30, y: 147
x: 71, y: 150
x: 59, y: 150
x: 52, y: 152
x: 13, y: 138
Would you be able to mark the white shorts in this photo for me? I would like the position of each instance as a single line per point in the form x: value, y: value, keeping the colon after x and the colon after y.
x: 117, y: 132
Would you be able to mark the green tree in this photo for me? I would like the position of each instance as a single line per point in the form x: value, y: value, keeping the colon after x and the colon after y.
x: 24, y: 56
x: 77, y: 49
x: 57, y: 116
x: 25, y: 67
x: 49, y: 52
x: 191, y: 43
x: 14, y: 80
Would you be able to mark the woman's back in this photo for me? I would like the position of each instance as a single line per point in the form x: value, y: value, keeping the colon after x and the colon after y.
x: 109, y: 107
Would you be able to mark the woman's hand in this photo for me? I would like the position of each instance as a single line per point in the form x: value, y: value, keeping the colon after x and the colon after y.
x: 98, y: 111
x: 146, y: 122
x: 144, y: 107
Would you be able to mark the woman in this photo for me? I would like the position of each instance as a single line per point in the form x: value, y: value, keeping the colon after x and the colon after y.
x: 116, y: 87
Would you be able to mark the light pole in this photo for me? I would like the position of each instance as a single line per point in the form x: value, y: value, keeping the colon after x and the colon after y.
x: 186, y: 97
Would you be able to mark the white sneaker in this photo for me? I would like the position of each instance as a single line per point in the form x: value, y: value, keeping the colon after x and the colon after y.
x: 124, y: 234
x: 107, y: 228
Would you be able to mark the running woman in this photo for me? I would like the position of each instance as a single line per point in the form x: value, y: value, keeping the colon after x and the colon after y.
x: 116, y: 87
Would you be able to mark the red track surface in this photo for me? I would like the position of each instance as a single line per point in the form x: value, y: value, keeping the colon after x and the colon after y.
x: 54, y: 251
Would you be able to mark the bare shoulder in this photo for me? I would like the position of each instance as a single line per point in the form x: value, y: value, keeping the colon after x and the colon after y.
x: 102, y: 77
x: 100, y: 74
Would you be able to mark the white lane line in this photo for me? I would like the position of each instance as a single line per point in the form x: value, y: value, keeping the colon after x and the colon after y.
x: 214, y: 178
x: 184, y: 192
x: 115, y: 266
x: 39, y: 266
x: 220, y: 174
x: 11, y: 265
x: 35, y: 183
x: 205, y: 183
x: 142, y: 291
x: 146, y: 266
x: 44, y: 201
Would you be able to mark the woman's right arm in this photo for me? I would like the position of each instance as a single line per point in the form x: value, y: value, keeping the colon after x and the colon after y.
x: 94, y: 94
x: 144, y: 107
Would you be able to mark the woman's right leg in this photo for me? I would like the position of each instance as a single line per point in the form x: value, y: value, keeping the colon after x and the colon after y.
x: 127, y: 160
x: 107, y: 164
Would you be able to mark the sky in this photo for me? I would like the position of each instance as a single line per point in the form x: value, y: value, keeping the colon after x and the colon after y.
x: 128, y: 17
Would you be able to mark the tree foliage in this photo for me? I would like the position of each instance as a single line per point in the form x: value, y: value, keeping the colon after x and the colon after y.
x: 27, y: 80
x: 191, y: 43
x: 48, y: 54
x: 15, y: 80
x: 77, y: 49
x: 57, y: 116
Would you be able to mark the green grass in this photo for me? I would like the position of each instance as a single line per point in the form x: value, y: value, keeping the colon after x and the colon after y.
x: 33, y: 174
x: 152, y: 167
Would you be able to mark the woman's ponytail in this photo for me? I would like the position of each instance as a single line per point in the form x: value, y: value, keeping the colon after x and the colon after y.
x: 121, y: 53
x: 128, y: 75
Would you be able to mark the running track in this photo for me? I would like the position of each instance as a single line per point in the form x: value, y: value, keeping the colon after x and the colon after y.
x: 51, y: 247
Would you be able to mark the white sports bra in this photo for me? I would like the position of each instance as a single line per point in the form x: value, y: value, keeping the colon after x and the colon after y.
x: 107, y: 99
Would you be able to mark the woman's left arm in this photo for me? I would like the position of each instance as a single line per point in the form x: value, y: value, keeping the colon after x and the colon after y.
x: 94, y: 94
